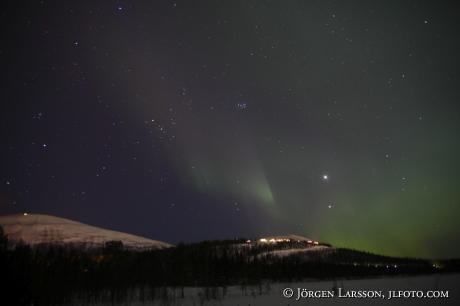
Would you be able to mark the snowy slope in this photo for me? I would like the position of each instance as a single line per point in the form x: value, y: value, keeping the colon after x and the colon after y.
x: 282, y: 253
x: 290, y: 251
x: 288, y: 236
x: 35, y: 229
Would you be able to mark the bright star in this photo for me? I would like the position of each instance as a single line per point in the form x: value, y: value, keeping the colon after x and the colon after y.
x: 325, y: 177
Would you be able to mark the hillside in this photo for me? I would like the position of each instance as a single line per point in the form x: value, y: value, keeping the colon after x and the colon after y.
x: 35, y: 229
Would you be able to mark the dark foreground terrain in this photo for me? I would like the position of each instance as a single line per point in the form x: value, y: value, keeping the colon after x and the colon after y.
x: 58, y: 275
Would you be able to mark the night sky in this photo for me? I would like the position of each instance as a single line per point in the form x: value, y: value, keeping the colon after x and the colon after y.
x: 190, y: 120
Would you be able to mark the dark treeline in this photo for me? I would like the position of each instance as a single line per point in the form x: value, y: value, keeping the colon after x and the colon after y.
x: 58, y: 275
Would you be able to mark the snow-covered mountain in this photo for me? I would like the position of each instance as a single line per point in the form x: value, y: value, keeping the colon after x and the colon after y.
x: 35, y: 229
x: 284, y: 238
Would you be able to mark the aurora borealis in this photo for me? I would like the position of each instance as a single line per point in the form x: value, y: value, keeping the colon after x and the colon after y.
x: 192, y: 120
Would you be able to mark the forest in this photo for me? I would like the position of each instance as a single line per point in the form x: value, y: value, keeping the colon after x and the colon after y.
x: 59, y: 275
